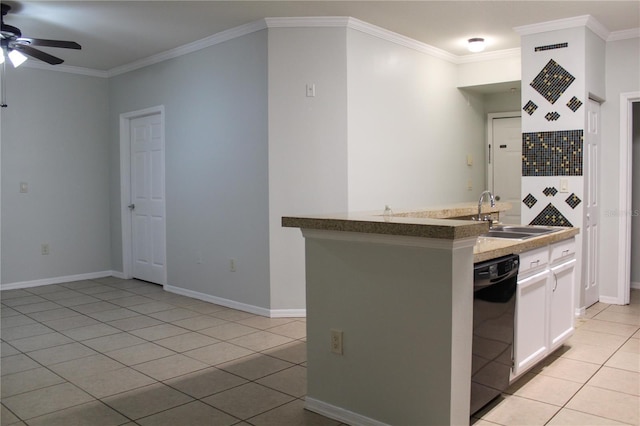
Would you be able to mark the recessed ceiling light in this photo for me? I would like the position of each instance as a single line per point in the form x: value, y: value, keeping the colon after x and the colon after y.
x: 476, y: 44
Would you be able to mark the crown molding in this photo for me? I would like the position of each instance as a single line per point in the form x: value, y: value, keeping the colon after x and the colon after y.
x: 307, y: 22
x: 212, y: 40
x: 624, y: 34
x: 514, y: 53
x: 65, y: 68
x: 384, y: 34
x: 563, y: 24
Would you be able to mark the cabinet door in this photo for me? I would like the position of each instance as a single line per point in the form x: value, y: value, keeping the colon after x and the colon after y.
x: 531, y: 339
x: 561, y: 282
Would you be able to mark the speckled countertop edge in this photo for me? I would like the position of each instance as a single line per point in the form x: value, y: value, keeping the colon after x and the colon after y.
x: 491, y: 248
x: 448, y: 229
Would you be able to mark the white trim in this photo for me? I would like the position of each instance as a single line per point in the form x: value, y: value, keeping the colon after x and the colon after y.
x: 339, y: 414
x: 396, y: 240
x: 212, y: 40
x: 384, y: 34
x: 125, y: 184
x: 635, y: 285
x: 624, y: 34
x: 624, y: 237
x: 56, y: 280
x: 307, y: 22
x: 609, y: 300
x: 219, y: 300
x: 563, y: 24
x: 66, y: 68
x: 489, y: 56
x: 490, y: 117
x: 288, y: 313
x: 580, y: 312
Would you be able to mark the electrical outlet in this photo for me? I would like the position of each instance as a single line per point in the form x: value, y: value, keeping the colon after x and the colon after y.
x: 336, y: 342
x: 232, y: 265
x: 45, y: 249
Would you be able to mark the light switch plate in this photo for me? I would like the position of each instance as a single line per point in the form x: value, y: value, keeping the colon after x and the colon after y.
x: 564, y: 185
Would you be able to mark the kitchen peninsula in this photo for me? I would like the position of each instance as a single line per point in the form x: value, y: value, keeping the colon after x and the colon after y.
x: 397, y: 292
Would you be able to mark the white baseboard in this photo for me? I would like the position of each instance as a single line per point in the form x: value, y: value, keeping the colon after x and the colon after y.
x: 288, y: 313
x: 635, y: 285
x: 271, y: 313
x: 339, y: 414
x: 119, y: 274
x: 610, y: 300
x: 580, y: 312
x: 56, y: 280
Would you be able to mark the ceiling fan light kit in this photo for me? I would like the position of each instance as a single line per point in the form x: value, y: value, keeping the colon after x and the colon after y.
x: 18, y: 48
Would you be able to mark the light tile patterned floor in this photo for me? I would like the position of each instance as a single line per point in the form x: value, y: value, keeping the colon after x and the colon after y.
x: 123, y: 352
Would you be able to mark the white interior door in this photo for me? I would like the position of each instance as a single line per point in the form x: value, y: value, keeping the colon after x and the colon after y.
x: 506, y: 150
x: 591, y: 205
x: 148, y: 199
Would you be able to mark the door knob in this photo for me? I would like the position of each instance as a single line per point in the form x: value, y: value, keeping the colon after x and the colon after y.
x: 131, y: 206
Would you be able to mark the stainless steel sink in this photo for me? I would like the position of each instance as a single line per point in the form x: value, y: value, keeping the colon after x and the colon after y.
x: 515, y: 232
x: 523, y: 229
x: 506, y: 234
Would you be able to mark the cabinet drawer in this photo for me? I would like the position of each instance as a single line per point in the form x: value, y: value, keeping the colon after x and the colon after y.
x: 533, y: 260
x: 563, y: 250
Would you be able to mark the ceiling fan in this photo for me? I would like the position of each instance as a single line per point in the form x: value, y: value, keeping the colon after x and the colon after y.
x: 16, y: 46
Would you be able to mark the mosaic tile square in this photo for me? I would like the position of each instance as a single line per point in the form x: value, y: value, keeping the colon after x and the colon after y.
x: 551, y: 216
x: 552, y: 116
x: 552, y: 153
x: 530, y: 200
x: 530, y: 107
x: 573, y: 200
x: 574, y: 103
x: 550, y: 47
x: 550, y: 191
x: 552, y: 81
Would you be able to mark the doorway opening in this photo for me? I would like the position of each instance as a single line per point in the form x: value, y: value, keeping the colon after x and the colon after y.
x: 504, y: 162
x: 142, y: 195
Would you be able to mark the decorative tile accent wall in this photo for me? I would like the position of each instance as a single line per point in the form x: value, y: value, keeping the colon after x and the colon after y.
x: 530, y: 107
x: 552, y: 116
x: 552, y: 81
x: 552, y: 153
x: 530, y: 200
x: 573, y: 200
x: 551, y: 216
x: 551, y: 47
x: 574, y: 103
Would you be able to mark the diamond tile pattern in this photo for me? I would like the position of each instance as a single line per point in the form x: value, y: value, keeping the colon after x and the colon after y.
x: 552, y: 116
x: 551, y: 216
x: 550, y: 191
x: 574, y: 104
x: 573, y: 201
x: 552, y: 81
x: 530, y: 107
x: 530, y: 200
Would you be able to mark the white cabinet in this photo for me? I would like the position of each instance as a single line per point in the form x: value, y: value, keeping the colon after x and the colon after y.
x: 561, y: 303
x: 531, y: 326
x: 544, y: 303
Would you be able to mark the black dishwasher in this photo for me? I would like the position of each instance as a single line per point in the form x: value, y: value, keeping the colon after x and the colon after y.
x: 494, y: 303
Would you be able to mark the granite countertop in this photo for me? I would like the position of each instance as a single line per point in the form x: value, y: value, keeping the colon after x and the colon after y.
x: 431, y: 223
x: 376, y: 223
x: 491, y: 248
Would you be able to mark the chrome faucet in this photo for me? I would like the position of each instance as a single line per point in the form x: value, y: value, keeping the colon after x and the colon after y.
x: 493, y: 204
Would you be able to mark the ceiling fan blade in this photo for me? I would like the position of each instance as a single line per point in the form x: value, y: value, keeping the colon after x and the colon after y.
x: 50, y: 43
x: 38, y: 54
